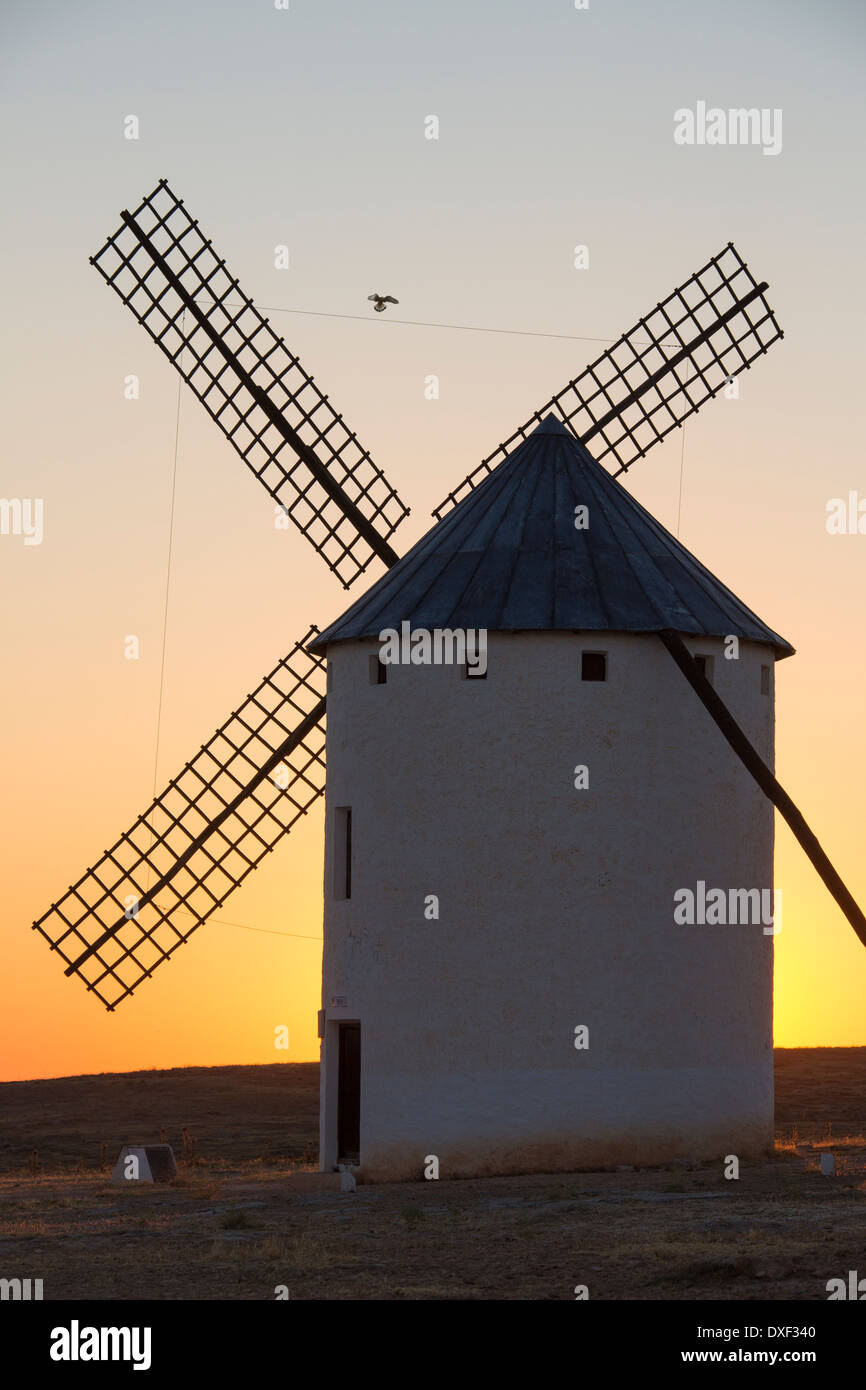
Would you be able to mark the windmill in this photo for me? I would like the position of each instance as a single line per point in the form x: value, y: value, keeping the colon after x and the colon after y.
x: 264, y: 767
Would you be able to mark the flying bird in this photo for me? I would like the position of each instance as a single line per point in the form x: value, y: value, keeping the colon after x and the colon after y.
x: 380, y: 300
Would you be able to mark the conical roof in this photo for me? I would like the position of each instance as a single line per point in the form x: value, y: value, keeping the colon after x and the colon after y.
x: 509, y: 558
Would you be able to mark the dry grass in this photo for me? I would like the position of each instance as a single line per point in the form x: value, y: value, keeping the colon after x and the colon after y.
x: 229, y: 1226
x: 211, y: 1116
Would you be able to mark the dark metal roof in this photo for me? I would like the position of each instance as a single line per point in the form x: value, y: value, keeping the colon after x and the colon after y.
x: 508, y: 558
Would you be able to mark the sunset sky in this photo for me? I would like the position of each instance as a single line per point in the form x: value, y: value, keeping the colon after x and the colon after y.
x: 306, y: 127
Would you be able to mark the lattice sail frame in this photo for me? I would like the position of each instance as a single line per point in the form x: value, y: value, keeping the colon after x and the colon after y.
x: 177, y: 309
x: 115, y: 892
x: 214, y: 823
x: 654, y: 377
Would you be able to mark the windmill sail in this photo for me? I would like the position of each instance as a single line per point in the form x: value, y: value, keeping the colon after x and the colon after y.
x: 263, y: 400
x: 212, y: 824
x: 659, y: 373
x: 758, y: 769
x: 264, y: 767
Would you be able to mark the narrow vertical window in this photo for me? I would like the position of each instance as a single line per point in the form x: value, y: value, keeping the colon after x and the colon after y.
x: 343, y: 852
x: 765, y: 680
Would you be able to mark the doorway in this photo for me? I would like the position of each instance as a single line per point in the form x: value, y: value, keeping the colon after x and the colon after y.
x: 349, y: 1094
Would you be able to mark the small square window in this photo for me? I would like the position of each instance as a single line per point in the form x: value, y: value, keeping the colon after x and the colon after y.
x: 705, y: 666
x: 378, y: 670
x: 593, y: 666
x: 765, y: 680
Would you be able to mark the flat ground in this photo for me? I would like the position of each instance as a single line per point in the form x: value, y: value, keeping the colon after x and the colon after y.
x: 229, y: 1226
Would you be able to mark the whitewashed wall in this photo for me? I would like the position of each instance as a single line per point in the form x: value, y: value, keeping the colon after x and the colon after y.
x: 556, y: 909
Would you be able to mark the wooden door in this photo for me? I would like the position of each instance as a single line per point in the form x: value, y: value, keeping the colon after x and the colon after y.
x: 349, y: 1095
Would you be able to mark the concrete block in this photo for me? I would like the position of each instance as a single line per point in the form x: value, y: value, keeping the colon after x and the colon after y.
x: 144, y: 1163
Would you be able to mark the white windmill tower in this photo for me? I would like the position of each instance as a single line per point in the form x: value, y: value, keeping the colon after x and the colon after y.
x: 445, y: 1034
x: 514, y: 844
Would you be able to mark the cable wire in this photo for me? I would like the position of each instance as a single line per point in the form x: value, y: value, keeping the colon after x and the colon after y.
x: 422, y: 323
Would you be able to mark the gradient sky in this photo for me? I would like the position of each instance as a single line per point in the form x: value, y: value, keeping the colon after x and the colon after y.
x: 306, y: 127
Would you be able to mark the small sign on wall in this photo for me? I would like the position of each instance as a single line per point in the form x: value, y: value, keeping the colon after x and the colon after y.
x: 339, y: 1001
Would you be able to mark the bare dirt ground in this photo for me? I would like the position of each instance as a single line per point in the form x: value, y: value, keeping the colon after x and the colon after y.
x: 229, y: 1227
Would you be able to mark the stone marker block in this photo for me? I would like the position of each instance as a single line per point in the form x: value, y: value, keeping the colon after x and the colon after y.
x: 152, y: 1163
